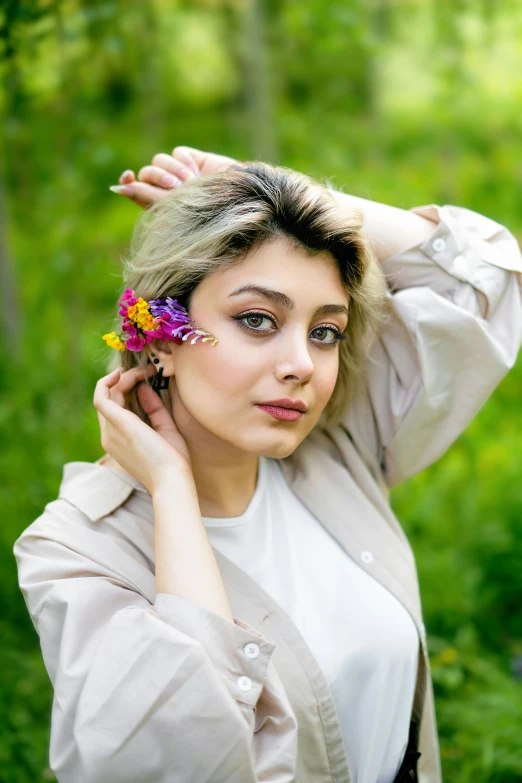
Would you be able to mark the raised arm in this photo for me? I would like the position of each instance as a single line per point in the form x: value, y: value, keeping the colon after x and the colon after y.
x: 390, y: 229
x: 455, y: 283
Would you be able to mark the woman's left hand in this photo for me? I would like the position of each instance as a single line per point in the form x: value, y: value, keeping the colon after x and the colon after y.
x: 167, y: 172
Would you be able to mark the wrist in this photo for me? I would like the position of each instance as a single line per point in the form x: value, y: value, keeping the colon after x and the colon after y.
x: 172, y: 478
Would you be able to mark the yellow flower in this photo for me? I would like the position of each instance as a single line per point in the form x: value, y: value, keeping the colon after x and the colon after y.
x: 114, y: 341
x: 140, y: 313
x: 448, y: 655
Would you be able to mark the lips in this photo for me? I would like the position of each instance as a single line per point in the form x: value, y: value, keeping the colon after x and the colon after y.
x: 296, y: 405
x: 283, y: 414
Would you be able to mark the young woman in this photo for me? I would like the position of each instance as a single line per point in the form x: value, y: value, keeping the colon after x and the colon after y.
x: 225, y: 596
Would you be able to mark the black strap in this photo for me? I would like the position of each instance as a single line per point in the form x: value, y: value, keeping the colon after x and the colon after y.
x: 408, y: 770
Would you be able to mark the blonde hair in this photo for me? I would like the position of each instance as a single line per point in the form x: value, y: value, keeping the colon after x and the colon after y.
x: 212, y: 222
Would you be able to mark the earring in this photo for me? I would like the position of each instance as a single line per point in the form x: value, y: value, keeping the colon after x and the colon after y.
x: 159, y: 382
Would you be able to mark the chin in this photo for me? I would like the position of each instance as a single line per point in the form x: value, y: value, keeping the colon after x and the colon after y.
x: 281, y: 448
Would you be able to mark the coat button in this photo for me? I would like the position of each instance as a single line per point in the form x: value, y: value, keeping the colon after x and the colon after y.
x: 251, y: 650
x: 366, y: 557
x: 245, y: 683
x: 439, y: 244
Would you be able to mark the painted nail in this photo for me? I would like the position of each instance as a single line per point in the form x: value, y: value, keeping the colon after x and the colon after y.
x: 124, y: 190
x: 187, y: 161
x: 185, y: 173
x: 169, y: 181
x: 125, y: 175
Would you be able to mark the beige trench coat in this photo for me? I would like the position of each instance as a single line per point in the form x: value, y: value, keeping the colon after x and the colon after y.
x: 147, y: 685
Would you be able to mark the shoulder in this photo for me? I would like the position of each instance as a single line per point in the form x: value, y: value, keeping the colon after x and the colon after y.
x: 92, y: 501
x: 97, y: 488
x: 100, y: 524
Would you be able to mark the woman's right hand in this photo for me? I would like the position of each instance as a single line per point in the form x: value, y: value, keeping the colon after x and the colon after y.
x: 169, y: 171
x: 150, y: 454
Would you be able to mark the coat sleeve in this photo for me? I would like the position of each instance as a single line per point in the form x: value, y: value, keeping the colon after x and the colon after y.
x: 454, y: 331
x: 161, y: 692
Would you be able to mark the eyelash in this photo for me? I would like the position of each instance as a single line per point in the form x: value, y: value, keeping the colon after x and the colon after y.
x: 242, y: 325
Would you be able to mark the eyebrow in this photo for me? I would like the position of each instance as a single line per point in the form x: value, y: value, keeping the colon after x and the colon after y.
x: 282, y: 299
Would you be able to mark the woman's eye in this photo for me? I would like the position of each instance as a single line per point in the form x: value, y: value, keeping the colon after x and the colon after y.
x: 258, y: 318
x: 325, y: 330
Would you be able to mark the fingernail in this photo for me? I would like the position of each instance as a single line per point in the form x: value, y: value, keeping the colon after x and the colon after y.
x: 185, y: 173
x: 124, y: 190
x: 125, y: 175
x: 187, y: 160
x: 170, y: 181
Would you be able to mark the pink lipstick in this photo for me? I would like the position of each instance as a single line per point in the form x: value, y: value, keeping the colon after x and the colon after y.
x: 285, y: 414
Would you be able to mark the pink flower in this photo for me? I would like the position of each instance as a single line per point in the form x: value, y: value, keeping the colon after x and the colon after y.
x: 135, y: 343
x: 127, y: 326
x: 127, y: 300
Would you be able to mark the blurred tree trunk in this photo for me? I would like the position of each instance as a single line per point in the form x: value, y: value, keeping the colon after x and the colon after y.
x: 153, y: 117
x: 257, y: 84
x: 11, y: 321
x: 452, y: 79
x: 11, y: 318
x: 381, y: 22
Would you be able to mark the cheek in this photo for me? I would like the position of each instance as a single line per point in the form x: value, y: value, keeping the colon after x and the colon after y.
x: 220, y: 375
x: 326, y: 380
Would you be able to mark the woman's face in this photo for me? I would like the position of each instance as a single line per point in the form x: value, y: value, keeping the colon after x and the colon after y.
x: 266, y: 350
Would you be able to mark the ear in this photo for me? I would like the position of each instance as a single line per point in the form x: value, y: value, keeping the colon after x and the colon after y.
x: 160, y: 354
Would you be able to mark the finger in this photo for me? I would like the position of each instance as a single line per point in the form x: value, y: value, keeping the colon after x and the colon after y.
x: 181, y: 168
x: 155, y: 175
x: 142, y: 194
x: 127, y: 177
x: 190, y: 156
x: 154, y: 407
x: 128, y: 380
x: 108, y: 394
x: 102, y: 422
x: 102, y: 399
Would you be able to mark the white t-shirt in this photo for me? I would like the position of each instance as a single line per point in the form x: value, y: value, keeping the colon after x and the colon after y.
x: 363, y: 638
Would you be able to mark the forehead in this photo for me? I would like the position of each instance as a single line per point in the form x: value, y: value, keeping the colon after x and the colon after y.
x: 279, y: 264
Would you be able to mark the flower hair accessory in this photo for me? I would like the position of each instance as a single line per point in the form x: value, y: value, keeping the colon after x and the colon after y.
x: 161, y: 319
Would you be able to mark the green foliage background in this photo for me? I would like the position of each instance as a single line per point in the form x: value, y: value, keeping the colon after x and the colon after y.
x: 405, y: 102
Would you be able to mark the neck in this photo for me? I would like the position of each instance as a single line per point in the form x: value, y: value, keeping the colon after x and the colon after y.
x: 224, y: 487
x: 225, y: 475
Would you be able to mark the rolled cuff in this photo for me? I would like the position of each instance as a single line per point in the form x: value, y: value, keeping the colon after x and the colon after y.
x: 473, y: 249
x: 237, y: 650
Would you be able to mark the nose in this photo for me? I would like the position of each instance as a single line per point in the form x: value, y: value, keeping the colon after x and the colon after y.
x: 295, y: 359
